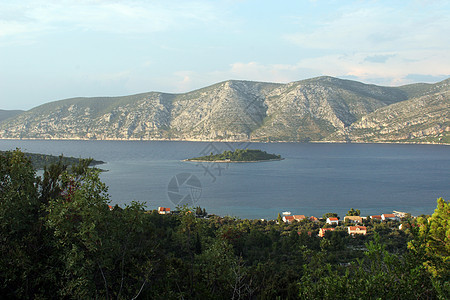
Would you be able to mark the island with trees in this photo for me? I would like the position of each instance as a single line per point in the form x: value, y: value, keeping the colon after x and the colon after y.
x: 238, y: 155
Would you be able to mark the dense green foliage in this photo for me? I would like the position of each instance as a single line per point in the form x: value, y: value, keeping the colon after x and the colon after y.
x: 39, y: 161
x: 60, y: 239
x: 353, y: 212
x: 239, y: 155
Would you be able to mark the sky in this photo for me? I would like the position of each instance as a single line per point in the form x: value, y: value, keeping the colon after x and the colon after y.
x: 57, y: 49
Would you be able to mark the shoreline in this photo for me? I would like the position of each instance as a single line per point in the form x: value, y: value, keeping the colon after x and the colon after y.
x: 222, y: 141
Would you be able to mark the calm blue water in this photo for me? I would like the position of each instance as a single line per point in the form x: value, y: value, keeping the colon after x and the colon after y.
x: 312, y: 180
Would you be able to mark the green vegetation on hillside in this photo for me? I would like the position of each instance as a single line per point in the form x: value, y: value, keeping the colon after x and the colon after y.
x: 239, y: 155
x: 60, y: 239
x: 6, y: 114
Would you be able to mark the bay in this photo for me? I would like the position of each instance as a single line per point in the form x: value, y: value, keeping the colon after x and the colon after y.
x: 313, y: 179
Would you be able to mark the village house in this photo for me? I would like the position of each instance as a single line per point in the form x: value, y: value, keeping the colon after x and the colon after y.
x: 322, y: 231
x: 299, y: 217
x: 376, y: 217
x: 353, y: 219
x: 288, y: 219
x: 333, y: 220
x: 163, y: 210
x: 313, y: 219
x: 388, y: 217
x: 400, y: 214
x: 357, y: 230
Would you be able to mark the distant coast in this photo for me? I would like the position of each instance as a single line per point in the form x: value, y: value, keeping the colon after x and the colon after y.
x: 221, y: 141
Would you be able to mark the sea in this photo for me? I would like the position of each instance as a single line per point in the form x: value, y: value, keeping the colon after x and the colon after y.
x: 312, y: 179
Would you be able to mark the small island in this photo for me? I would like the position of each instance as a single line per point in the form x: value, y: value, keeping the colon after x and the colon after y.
x: 238, y: 155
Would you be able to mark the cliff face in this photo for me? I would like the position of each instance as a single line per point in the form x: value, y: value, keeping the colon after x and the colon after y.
x: 318, y: 109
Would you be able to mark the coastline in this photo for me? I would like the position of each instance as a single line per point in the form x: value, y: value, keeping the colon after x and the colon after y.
x: 222, y: 141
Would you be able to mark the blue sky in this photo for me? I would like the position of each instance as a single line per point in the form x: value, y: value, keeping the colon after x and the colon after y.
x: 56, y: 49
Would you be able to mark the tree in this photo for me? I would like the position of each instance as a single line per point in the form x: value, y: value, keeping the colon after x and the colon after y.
x: 19, y: 226
x: 279, y: 219
x: 353, y: 212
x: 329, y: 215
x: 433, y: 240
x: 431, y: 246
x: 103, y: 253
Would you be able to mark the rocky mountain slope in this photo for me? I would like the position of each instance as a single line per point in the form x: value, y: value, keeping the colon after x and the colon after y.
x: 318, y: 109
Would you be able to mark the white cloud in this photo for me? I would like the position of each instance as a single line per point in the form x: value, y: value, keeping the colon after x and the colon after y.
x: 375, y: 28
x: 101, y: 16
x: 372, y: 40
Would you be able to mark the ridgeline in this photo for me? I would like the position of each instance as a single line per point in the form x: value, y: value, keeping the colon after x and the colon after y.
x: 322, y: 109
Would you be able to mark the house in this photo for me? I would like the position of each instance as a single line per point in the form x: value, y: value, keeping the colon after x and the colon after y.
x: 163, y: 210
x: 400, y: 214
x: 353, y: 219
x: 332, y: 220
x: 357, y: 230
x: 376, y: 217
x: 387, y: 217
x: 322, y: 231
x: 313, y: 219
x: 288, y: 219
x: 299, y: 217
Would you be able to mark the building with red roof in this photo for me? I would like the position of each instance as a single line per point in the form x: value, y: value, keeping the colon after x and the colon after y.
x: 357, y: 230
x: 163, y: 210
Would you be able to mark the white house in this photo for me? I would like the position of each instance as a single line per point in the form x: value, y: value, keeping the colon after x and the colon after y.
x: 387, y: 217
x: 332, y: 220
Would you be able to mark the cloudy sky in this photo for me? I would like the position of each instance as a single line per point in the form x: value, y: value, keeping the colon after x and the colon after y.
x: 56, y: 49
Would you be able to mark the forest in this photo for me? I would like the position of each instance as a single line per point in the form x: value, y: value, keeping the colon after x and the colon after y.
x: 60, y: 238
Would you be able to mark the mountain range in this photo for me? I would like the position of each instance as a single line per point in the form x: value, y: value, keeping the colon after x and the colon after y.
x: 322, y: 109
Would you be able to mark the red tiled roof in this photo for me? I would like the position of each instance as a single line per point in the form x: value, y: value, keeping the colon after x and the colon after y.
x: 333, y: 219
x: 291, y: 218
x: 299, y: 217
x: 325, y: 229
x: 389, y: 215
x: 353, y: 228
x: 376, y: 217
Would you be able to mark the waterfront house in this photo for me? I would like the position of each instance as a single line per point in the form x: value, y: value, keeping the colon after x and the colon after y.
x: 376, y: 217
x: 353, y: 219
x: 387, y: 217
x: 357, y: 230
x: 299, y: 217
x: 313, y: 219
x: 333, y: 220
x: 288, y: 219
